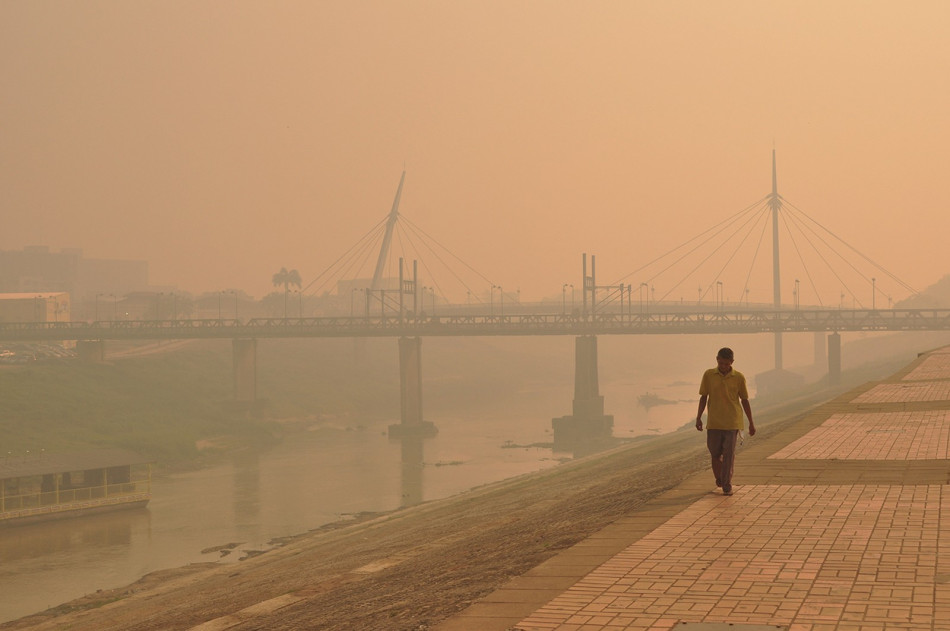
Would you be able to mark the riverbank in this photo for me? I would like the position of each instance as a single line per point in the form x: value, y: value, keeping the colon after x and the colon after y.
x: 565, y: 517
x: 411, y: 568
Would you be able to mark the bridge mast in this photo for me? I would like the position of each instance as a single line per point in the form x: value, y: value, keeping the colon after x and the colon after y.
x: 388, y: 237
x: 775, y: 203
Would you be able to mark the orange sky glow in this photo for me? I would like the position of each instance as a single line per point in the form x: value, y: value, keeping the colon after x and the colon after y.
x: 222, y: 141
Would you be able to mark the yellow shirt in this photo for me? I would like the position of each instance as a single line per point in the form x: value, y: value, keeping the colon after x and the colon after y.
x: 725, y: 392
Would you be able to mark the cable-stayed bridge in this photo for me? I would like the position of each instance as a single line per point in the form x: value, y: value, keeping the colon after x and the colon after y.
x: 396, y: 307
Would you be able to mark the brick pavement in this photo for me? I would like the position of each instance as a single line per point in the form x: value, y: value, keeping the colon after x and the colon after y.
x: 843, y: 522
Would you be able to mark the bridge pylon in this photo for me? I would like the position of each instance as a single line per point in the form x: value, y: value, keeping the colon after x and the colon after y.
x: 588, y: 421
x: 410, y: 391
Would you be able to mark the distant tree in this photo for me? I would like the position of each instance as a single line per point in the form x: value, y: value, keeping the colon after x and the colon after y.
x: 286, y: 278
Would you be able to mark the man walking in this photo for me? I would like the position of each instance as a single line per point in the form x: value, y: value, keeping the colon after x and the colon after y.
x: 724, y: 389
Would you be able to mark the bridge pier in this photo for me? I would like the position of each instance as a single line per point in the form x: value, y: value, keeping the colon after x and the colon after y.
x: 410, y: 391
x: 588, y: 421
x: 244, y: 352
x: 93, y: 351
x: 834, y: 359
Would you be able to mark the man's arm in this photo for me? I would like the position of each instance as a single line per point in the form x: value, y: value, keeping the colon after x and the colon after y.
x: 748, y: 412
x: 699, y: 412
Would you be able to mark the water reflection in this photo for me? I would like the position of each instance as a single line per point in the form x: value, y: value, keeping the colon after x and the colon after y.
x: 412, y: 464
x: 247, y: 493
x: 86, y: 534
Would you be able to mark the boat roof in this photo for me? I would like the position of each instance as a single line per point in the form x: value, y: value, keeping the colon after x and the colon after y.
x: 18, y: 466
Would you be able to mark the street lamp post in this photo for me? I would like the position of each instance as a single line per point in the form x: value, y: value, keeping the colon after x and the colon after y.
x: 873, y: 295
x: 642, y: 285
x: 720, y: 295
x: 798, y: 296
x: 563, y: 298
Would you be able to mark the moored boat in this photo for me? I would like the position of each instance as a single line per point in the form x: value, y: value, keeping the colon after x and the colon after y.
x: 50, y: 486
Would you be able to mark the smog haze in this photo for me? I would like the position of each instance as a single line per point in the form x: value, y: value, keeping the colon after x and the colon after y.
x: 223, y: 141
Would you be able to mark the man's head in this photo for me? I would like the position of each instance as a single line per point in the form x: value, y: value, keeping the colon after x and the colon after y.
x: 724, y: 359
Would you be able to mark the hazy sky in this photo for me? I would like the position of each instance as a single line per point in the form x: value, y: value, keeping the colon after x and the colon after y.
x: 222, y: 141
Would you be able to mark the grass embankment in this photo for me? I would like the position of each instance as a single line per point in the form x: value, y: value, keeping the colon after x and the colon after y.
x: 163, y: 405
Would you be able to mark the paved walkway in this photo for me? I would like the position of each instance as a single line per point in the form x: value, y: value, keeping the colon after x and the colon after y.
x: 840, y: 522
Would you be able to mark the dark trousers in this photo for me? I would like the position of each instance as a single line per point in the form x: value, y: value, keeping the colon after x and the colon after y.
x: 722, y: 449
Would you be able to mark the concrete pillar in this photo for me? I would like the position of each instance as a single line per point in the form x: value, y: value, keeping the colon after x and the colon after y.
x: 410, y: 380
x: 834, y: 359
x: 410, y: 391
x: 588, y: 403
x: 588, y: 422
x: 244, y: 352
x: 820, y: 353
x: 93, y: 351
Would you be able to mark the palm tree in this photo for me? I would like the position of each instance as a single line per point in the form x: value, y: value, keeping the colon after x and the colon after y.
x: 286, y: 278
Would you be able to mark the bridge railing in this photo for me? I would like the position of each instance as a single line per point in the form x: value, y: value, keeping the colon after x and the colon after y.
x: 668, y: 322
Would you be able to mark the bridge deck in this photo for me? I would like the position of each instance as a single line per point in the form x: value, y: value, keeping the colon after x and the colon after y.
x: 657, y: 323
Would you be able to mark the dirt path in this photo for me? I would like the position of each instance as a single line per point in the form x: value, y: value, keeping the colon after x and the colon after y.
x: 409, y: 569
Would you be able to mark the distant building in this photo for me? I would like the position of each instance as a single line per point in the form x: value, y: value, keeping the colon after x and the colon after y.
x: 37, y: 270
x: 35, y: 307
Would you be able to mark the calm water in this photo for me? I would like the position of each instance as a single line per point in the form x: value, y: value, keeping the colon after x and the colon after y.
x: 319, y: 477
